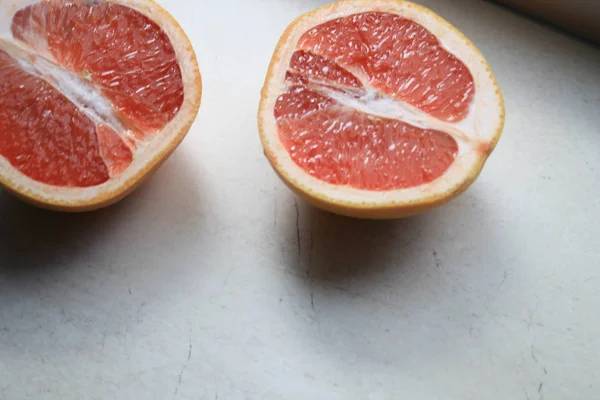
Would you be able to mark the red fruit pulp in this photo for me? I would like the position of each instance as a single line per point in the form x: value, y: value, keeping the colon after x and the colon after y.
x: 365, y: 53
x: 122, y: 54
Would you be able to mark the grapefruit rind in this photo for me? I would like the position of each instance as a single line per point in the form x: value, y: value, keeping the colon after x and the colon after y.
x: 147, y: 158
x: 483, y: 126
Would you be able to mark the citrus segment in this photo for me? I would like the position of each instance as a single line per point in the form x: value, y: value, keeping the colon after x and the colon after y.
x: 342, y: 146
x: 397, y: 57
x: 118, y: 49
x: 316, y: 68
x: 43, y: 134
x: 117, y: 155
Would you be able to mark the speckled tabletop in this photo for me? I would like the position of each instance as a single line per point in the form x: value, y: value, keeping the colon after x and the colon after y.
x: 212, y: 281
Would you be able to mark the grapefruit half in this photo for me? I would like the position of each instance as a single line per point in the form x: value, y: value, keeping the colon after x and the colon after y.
x: 94, y: 96
x: 378, y: 109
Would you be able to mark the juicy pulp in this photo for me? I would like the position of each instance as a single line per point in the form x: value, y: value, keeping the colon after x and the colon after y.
x: 120, y: 55
x: 372, y: 57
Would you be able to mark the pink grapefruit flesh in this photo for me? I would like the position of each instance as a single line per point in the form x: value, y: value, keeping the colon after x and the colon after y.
x: 46, y: 137
x: 344, y: 146
x: 120, y: 53
x: 399, y: 58
x: 118, y: 49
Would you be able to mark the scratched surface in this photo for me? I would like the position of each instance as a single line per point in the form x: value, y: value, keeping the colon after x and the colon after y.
x: 212, y: 282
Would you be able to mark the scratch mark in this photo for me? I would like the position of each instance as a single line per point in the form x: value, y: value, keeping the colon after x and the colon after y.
x: 190, y: 346
x: 312, y: 298
x: 185, y: 364
x: 530, y: 322
x: 130, y: 291
x: 139, y: 312
x: 540, y: 387
x: 103, y: 343
x: 438, y: 262
x: 533, y: 357
x: 298, y: 229
x: 545, y: 371
x: 275, y: 213
x: 178, y: 383
x: 312, y: 292
x: 503, y: 279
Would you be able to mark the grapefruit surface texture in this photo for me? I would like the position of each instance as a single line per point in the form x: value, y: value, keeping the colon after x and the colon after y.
x: 378, y: 109
x: 94, y: 96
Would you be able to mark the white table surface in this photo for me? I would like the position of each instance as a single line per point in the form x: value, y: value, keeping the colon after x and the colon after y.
x: 212, y: 282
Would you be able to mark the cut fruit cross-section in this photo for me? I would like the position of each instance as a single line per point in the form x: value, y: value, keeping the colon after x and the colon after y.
x: 94, y: 96
x: 378, y: 109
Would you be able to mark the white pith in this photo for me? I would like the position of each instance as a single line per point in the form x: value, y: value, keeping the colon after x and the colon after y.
x: 472, y: 134
x: 149, y: 152
x: 374, y: 103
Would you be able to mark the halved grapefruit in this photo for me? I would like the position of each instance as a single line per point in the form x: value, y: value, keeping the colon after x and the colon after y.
x: 94, y: 96
x: 378, y: 109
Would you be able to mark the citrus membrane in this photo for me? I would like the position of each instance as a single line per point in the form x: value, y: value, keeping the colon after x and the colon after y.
x: 83, y: 87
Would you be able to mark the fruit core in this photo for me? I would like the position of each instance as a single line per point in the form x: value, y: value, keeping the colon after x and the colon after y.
x: 82, y: 85
x: 358, y: 89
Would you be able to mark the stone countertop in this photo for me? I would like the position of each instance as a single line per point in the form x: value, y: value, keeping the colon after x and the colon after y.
x: 213, y: 282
